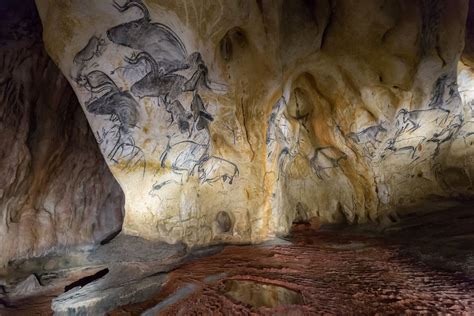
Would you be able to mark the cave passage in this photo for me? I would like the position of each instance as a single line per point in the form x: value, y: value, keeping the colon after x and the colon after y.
x: 236, y: 157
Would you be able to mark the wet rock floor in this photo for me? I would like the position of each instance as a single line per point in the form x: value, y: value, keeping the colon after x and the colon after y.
x: 326, y: 272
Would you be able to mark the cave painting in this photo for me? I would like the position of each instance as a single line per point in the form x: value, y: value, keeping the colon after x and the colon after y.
x: 203, y: 107
x: 153, y: 70
x: 285, y: 137
x: 326, y: 158
x: 369, y: 138
x: 403, y: 137
x: 282, y: 137
x: 406, y: 135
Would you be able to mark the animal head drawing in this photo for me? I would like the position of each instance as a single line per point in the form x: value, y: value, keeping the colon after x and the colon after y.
x: 383, y: 126
x: 401, y: 118
x: 390, y: 144
x: 402, y: 112
x: 201, y: 171
x: 353, y: 137
x: 99, y: 106
x: 144, y: 87
x: 123, y: 33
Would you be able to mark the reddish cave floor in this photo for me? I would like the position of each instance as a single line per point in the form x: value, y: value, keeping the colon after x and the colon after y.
x: 328, y: 272
x: 424, y: 263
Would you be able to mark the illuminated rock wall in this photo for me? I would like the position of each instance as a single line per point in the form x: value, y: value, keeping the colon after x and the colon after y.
x: 228, y: 120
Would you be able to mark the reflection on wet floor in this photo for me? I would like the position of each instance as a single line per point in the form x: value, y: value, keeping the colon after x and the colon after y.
x: 260, y: 294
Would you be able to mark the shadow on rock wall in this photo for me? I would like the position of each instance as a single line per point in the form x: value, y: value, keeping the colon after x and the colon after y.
x: 56, y: 191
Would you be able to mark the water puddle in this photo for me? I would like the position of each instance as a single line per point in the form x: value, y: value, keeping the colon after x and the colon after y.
x: 261, y: 294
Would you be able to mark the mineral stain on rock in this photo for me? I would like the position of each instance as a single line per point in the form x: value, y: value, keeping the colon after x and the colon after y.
x: 224, y: 221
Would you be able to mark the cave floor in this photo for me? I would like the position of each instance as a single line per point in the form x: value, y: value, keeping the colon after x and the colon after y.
x: 423, y: 264
x: 330, y: 273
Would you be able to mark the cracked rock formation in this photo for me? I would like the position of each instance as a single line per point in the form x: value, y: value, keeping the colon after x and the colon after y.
x: 225, y: 121
x: 56, y: 192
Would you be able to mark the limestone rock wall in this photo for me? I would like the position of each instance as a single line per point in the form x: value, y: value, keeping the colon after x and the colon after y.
x: 468, y: 53
x: 228, y: 120
x: 56, y: 192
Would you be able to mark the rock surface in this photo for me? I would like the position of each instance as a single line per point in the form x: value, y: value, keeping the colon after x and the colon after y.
x: 419, y: 266
x: 124, y: 271
x: 56, y: 192
x: 224, y: 121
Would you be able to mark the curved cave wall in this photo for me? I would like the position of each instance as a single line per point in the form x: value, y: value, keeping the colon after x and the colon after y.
x: 468, y: 53
x: 56, y: 192
x: 229, y: 120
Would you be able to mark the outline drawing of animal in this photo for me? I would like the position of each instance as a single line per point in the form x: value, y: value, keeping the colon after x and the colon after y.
x: 201, y: 117
x: 466, y: 133
x: 117, y: 103
x: 368, y: 135
x: 93, y: 48
x: 154, y: 83
x: 447, y: 133
x: 325, y: 158
x: 212, y: 169
x: 158, y: 84
x: 412, y: 120
x: 154, y: 38
x: 410, y: 145
x: 181, y: 116
x: 124, y: 148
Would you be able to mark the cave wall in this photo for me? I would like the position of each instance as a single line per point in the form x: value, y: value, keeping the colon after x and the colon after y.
x: 56, y: 191
x: 228, y: 120
x: 468, y: 52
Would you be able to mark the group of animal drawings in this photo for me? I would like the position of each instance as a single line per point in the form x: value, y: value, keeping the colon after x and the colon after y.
x: 322, y: 160
x: 404, y: 140
x: 158, y: 47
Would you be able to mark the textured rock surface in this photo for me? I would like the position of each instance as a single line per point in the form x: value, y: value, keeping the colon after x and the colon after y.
x: 269, y: 111
x: 92, y: 283
x: 420, y: 266
x: 55, y: 190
